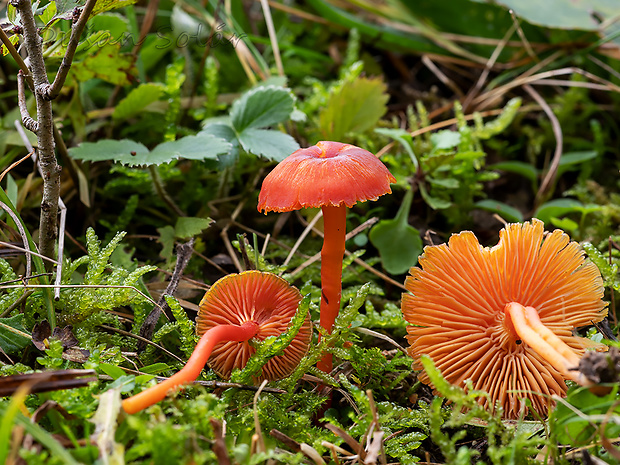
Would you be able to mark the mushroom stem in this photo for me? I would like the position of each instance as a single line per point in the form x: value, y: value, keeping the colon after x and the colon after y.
x: 334, y: 228
x: 194, y: 365
x: 527, y: 325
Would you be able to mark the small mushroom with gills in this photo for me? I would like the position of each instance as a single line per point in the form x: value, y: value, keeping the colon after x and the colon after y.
x: 503, y: 317
x: 237, y: 308
x: 332, y: 176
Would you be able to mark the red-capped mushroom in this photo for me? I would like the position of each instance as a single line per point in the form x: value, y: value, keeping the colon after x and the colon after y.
x: 237, y: 308
x: 333, y: 176
x: 503, y: 317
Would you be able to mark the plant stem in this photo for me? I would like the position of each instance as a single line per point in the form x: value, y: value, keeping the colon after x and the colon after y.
x: 194, y: 365
x: 48, y: 226
x: 334, y: 227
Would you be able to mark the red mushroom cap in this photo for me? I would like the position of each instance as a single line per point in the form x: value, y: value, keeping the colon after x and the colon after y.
x: 264, y: 298
x: 457, y: 301
x: 328, y: 173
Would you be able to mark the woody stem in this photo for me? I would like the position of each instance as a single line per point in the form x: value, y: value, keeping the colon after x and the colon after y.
x: 194, y: 365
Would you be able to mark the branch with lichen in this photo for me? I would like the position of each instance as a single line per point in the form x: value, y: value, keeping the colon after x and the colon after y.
x: 36, y: 75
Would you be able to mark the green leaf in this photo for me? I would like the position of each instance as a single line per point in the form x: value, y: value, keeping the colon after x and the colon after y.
x: 518, y: 167
x: 11, y: 414
x: 557, y: 208
x: 446, y: 139
x: 354, y: 108
x: 109, y: 149
x: 398, y: 243
x: 268, y: 143
x: 48, y: 13
x: 433, y: 202
x: 404, y: 139
x: 166, y: 239
x: 505, y: 211
x: 137, y: 100
x: 107, y: 5
x: 202, y: 146
x: 563, y: 14
x: 569, y: 160
x: 127, y: 152
x: 262, y: 107
x: 187, y: 227
x: 107, y: 64
x: 111, y: 370
x: 13, y: 335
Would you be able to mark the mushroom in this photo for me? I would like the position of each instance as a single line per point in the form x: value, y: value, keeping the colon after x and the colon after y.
x: 502, y: 317
x: 333, y: 176
x: 237, y: 308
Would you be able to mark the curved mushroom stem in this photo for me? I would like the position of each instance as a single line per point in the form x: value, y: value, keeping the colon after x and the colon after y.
x: 334, y: 229
x: 194, y: 365
x: 527, y: 325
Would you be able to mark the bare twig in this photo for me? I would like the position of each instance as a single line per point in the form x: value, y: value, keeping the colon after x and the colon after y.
x: 27, y: 120
x: 17, y: 57
x: 141, y: 339
x: 52, y: 91
x: 219, y: 446
x: 22, y: 233
x: 557, y: 132
x: 13, y: 165
x: 184, y: 253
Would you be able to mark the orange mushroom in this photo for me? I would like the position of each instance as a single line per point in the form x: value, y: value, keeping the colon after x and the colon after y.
x: 503, y: 317
x: 237, y: 308
x: 333, y: 176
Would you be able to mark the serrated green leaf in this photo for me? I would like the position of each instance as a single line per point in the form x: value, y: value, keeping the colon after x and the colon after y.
x: 137, y: 100
x: 262, y: 107
x: 355, y: 107
x: 187, y: 226
x: 271, y: 144
x: 398, y: 243
x: 109, y: 149
x: 202, y: 146
x: 13, y: 334
x: 505, y: 211
x: 199, y: 147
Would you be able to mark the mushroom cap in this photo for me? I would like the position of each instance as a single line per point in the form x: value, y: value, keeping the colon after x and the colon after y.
x: 268, y: 300
x: 325, y: 174
x: 456, y: 309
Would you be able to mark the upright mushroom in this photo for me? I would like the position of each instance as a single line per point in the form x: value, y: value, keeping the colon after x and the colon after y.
x: 237, y: 308
x: 333, y: 176
x: 503, y: 317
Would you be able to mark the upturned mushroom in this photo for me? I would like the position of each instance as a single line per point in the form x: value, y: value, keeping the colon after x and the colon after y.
x: 503, y: 317
x: 237, y: 308
x: 332, y: 176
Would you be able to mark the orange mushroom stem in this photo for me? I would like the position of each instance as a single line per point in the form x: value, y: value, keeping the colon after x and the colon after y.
x: 194, y: 365
x: 526, y: 324
x: 334, y: 227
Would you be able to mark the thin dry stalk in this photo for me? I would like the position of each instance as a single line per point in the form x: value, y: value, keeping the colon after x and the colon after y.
x: 487, y: 69
x: 22, y: 233
x: 13, y: 165
x: 260, y: 441
x: 273, y: 38
x: 303, y: 235
x: 557, y: 132
x: 441, y: 76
